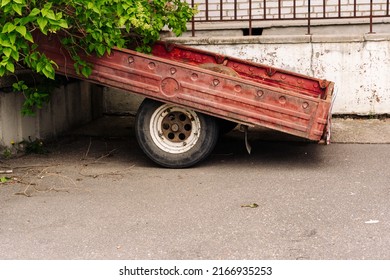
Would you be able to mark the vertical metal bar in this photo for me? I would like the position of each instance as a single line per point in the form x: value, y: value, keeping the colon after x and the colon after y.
x: 354, y: 8
x: 265, y: 9
x: 193, y: 20
x: 221, y: 10
x: 295, y: 9
x: 371, y: 15
x: 279, y: 9
x: 339, y: 8
x: 250, y: 17
x: 324, y: 9
x: 308, y: 17
x: 207, y: 10
x: 387, y: 7
x: 235, y: 9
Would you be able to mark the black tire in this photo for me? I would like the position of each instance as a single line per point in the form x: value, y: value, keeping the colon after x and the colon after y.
x: 173, y: 136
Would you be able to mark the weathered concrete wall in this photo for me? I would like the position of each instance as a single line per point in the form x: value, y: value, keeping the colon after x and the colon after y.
x: 358, y: 64
x: 117, y: 101
x: 70, y: 105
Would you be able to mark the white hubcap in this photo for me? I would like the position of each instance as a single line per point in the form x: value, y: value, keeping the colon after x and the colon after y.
x: 174, y: 129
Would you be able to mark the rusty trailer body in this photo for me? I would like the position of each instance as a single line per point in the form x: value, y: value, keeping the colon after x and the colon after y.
x: 196, y: 82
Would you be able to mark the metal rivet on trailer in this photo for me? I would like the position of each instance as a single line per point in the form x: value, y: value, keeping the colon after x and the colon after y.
x: 237, y: 88
x: 152, y: 65
x: 194, y: 76
x: 259, y: 93
x: 130, y: 59
x: 215, y: 82
x: 305, y: 105
x: 173, y: 70
x: 283, y: 77
x: 282, y: 100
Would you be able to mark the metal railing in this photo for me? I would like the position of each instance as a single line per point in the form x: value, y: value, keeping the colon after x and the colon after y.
x: 250, y: 11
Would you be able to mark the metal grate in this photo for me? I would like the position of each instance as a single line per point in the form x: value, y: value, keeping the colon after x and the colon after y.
x: 249, y: 11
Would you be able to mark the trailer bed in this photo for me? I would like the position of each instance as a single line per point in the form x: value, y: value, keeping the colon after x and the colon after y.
x: 228, y: 88
x: 258, y: 96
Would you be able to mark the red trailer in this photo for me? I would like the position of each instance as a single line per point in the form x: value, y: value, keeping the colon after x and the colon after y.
x: 192, y: 93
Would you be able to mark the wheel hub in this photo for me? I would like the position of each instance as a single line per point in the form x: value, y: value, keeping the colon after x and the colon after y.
x: 174, y: 129
x: 176, y: 126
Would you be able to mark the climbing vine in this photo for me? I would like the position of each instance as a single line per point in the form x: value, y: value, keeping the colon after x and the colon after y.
x: 93, y: 27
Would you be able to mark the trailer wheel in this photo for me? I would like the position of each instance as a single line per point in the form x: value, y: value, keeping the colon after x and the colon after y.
x: 173, y: 136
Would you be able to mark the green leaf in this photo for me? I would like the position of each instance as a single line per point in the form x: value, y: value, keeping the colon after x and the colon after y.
x: 34, y: 12
x: 40, y: 66
x: 4, y: 179
x: 15, y: 55
x: 86, y: 71
x: 42, y: 22
x: 49, y: 74
x: 7, y: 52
x: 8, y: 27
x: 12, y: 38
x: 25, y: 20
x: 4, y: 2
x: 63, y: 24
x: 21, y: 30
x: 17, y: 8
x: 10, y: 67
x: 101, y: 50
x: 48, y: 6
x: 48, y: 67
x: 29, y: 37
x: 46, y: 9
x: 50, y: 15
x: 5, y: 42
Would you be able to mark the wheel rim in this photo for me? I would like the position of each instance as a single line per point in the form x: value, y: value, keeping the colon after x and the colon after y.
x: 174, y: 129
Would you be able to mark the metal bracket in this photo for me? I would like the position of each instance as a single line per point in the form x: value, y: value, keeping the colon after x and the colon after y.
x: 244, y: 128
x: 328, y: 128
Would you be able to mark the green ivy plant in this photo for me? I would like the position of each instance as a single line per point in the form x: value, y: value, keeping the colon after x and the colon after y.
x: 92, y: 27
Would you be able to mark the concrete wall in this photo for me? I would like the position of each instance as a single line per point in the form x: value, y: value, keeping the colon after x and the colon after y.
x: 71, y: 105
x: 120, y: 102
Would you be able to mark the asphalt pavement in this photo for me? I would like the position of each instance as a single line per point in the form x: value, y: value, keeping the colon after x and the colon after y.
x: 96, y: 196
